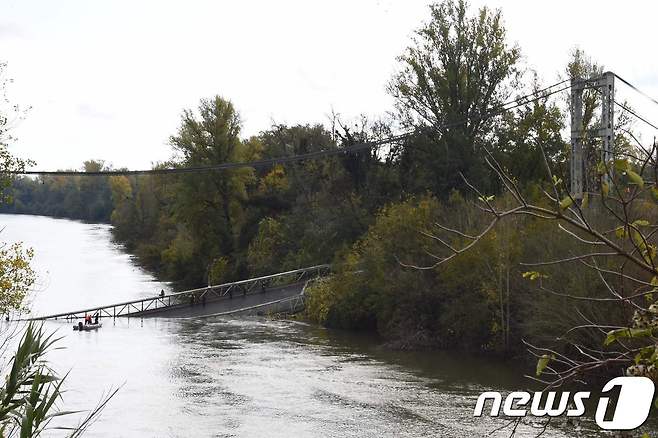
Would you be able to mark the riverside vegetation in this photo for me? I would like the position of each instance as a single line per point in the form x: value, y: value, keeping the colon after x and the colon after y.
x: 377, y: 214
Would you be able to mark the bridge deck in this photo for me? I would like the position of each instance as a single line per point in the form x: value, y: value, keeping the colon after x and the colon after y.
x: 225, y: 304
x: 222, y: 298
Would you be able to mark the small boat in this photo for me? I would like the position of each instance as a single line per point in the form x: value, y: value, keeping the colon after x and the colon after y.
x: 86, y: 327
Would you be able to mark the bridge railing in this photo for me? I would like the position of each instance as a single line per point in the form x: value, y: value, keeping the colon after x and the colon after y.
x: 212, y: 292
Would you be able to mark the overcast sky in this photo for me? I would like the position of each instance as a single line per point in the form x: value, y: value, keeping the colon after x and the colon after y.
x: 109, y: 79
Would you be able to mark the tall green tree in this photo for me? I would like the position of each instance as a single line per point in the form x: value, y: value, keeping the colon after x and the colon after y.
x: 457, y: 69
x: 523, y: 135
x: 211, y: 204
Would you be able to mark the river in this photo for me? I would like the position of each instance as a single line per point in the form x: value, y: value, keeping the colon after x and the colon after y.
x: 243, y: 377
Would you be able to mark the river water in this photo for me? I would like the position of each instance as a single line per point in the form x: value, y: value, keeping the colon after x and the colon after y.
x: 245, y: 377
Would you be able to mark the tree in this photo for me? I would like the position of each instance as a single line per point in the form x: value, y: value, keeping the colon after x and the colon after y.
x: 371, y: 289
x: 520, y: 133
x: 124, y: 213
x: 16, y: 276
x: 267, y: 249
x: 454, y: 73
x: 210, y: 204
x: 95, y: 192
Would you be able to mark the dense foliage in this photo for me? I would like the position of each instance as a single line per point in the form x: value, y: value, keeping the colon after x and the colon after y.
x: 374, y: 212
x: 86, y: 199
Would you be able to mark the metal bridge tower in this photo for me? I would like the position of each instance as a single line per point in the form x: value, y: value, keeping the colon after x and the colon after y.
x: 605, y: 85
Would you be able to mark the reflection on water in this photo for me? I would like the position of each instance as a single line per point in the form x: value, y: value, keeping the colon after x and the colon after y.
x: 248, y: 377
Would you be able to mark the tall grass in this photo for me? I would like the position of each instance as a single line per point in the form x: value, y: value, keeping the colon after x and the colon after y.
x: 32, y: 392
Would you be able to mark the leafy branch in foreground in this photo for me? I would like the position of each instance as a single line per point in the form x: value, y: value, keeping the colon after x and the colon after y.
x: 614, y: 236
x: 29, y: 398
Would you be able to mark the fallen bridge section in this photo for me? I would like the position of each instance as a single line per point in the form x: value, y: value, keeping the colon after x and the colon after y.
x: 217, y: 299
x: 226, y: 305
x: 274, y: 304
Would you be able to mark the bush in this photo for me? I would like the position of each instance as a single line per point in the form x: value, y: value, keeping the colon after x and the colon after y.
x: 410, y: 308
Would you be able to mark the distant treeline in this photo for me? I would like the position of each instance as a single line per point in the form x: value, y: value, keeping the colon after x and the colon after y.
x: 86, y: 199
x: 362, y: 211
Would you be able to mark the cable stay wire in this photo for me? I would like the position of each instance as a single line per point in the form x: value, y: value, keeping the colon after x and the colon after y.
x: 630, y: 111
x: 222, y: 166
x: 639, y: 117
x: 537, y: 94
x: 636, y: 89
x: 499, y: 109
x: 520, y: 101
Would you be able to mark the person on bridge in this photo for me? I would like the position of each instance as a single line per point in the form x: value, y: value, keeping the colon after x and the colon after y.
x: 162, y: 294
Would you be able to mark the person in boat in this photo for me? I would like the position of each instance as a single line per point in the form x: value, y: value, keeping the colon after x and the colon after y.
x: 87, y: 319
x: 96, y: 319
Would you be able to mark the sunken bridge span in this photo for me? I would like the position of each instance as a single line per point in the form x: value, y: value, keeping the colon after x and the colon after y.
x: 282, y: 292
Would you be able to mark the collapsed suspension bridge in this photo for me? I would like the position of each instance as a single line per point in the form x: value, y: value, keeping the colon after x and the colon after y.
x: 279, y: 292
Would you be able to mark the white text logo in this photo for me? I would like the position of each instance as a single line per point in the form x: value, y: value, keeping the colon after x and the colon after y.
x: 629, y: 412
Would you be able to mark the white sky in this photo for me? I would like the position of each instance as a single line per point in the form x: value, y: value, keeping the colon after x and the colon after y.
x: 109, y: 79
